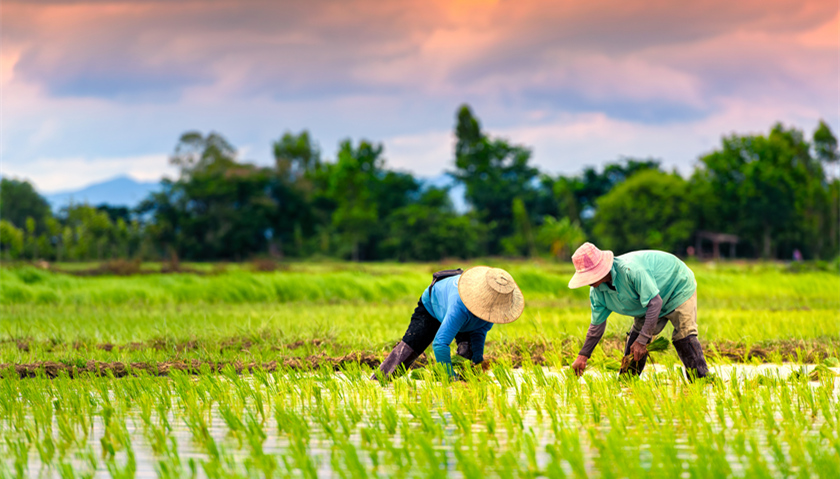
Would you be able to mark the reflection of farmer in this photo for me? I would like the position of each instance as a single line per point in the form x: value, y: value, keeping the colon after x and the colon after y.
x: 459, y: 306
x: 654, y: 287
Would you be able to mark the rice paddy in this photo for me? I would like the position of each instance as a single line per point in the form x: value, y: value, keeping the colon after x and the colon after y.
x: 245, y: 374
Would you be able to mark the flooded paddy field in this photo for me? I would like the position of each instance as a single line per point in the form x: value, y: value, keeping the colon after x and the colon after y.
x: 244, y: 374
x: 748, y: 421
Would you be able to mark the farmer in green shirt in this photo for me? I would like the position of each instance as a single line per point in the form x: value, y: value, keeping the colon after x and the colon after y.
x: 652, y: 286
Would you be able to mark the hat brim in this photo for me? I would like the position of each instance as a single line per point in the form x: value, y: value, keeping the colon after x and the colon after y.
x: 595, y: 274
x: 481, y: 301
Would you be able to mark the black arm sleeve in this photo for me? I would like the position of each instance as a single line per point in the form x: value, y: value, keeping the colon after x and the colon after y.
x: 593, y: 336
x: 651, y: 316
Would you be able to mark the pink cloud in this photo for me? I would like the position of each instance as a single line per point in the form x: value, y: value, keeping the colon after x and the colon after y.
x: 326, y: 47
x: 120, y: 79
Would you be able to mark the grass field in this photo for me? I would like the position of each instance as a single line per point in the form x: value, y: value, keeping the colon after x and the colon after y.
x: 338, y: 309
x: 311, y: 332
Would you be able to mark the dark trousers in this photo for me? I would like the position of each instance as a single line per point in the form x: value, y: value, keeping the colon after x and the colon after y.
x: 423, y: 328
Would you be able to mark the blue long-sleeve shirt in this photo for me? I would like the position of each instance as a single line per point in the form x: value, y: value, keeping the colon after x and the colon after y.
x: 445, y: 305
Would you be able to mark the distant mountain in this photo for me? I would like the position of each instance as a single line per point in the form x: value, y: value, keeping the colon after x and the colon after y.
x: 126, y: 191
x: 119, y: 191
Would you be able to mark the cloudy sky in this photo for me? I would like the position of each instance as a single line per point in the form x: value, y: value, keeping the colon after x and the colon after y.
x: 92, y: 90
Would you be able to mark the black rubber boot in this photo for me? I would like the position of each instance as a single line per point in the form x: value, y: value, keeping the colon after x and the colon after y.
x: 691, y: 355
x: 635, y: 367
x: 401, y: 355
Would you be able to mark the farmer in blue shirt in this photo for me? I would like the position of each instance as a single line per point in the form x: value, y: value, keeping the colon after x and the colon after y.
x: 457, y: 306
x: 655, y: 288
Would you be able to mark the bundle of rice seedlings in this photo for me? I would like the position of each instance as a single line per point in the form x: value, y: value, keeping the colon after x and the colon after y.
x: 824, y: 369
x: 658, y: 344
x: 611, y: 364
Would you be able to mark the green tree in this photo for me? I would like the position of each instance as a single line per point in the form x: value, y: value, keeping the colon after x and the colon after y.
x: 825, y: 150
x: 219, y: 208
x: 297, y: 161
x: 430, y: 230
x: 67, y: 251
x: 494, y: 173
x: 92, y: 231
x: 360, y: 197
x: 825, y: 144
x: 521, y: 242
x: 11, y: 240
x: 349, y: 186
x: 833, y: 215
x: 566, y: 193
x: 121, y: 240
x: 115, y: 213
x: 198, y: 153
x: 560, y: 237
x: 648, y: 210
x: 19, y: 200
x: 44, y: 247
x: 576, y: 196
x: 296, y: 155
x: 770, y: 190
x: 30, y: 240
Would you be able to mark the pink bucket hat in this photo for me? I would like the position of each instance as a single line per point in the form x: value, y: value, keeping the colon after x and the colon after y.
x: 591, y: 264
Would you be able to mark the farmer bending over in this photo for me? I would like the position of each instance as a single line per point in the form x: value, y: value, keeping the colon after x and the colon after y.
x: 458, y: 305
x: 653, y: 286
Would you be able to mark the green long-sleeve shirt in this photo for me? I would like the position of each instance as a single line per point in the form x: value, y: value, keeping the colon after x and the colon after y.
x: 637, y: 278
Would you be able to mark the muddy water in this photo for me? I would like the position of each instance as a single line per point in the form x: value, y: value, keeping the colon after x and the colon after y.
x: 321, y: 447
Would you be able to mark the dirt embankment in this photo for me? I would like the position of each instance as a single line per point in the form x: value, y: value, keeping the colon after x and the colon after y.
x: 790, y: 350
x: 52, y: 369
x: 234, y: 343
x: 513, y: 353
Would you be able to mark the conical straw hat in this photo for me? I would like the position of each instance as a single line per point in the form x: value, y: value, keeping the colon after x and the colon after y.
x: 491, y: 294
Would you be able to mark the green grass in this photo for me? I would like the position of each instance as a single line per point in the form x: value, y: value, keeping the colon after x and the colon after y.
x: 360, y: 307
x: 752, y: 287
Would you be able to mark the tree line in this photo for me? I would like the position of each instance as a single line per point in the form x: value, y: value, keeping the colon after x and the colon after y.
x: 774, y: 191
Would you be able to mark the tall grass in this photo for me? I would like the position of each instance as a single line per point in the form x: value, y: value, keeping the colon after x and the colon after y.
x: 47, y: 316
x: 32, y: 286
x: 759, y: 288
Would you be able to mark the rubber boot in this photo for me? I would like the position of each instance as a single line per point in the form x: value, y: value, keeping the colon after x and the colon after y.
x: 401, y: 355
x: 636, y: 367
x: 691, y: 355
